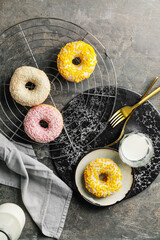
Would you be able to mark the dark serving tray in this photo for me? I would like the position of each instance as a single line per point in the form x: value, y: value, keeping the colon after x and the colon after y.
x: 90, y: 129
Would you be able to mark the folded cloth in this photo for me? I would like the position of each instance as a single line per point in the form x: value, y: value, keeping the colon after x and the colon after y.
x: 45, y: 196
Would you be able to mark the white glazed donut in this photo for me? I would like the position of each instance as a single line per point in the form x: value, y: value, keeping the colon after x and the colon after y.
x: 47, y: 113
x: 23, y: 95
x: 70, y: 71
x: 112, y: 177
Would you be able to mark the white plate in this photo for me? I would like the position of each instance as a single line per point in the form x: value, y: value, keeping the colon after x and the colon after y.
x: 126, y: 171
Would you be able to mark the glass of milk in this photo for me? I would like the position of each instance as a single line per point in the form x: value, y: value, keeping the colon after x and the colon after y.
x: 136, y: 149
x: 12, y: 220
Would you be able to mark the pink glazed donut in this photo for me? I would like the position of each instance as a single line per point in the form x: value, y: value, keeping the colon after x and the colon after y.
x: 48, y: 114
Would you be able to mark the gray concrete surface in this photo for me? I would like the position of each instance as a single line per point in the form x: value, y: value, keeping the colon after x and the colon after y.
x: 130, y: 32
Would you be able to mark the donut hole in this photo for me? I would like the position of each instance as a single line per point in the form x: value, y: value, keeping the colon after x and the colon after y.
x: 103, y: 177
x: 76, y: 61
x: 43, y: 124
x: 30, y: 85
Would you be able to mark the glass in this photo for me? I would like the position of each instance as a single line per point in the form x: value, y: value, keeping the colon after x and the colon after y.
x: 136, y: 149
x: 12, y: 220
x: 3, y: 236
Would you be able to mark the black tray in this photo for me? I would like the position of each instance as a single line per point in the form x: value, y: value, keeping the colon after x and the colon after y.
x: 89, y: 129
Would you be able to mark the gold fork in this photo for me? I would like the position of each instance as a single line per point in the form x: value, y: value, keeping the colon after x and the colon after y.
x: 124, y: 112
x: 122, y: 131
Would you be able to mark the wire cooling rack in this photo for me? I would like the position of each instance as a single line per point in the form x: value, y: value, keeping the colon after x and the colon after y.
x: 37, y: 42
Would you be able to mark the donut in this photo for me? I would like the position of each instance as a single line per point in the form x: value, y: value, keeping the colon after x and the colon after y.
x: 102, y: 177
x: 33, y: 119
x: 23, y: 95
x: 71, y: 51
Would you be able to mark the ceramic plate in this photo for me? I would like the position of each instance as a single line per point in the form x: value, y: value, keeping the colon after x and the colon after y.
x: 127, y: 179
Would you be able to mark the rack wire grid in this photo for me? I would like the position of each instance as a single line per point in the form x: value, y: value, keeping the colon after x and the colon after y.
x: 37, y: 42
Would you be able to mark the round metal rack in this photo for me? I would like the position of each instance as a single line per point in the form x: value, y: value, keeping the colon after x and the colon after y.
x: 37, y: 42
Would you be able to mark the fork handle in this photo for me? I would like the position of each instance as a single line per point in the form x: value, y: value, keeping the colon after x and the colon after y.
x: 146, y: 98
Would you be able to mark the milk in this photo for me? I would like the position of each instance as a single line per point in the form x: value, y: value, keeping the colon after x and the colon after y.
x: 12, y: 220
x: 3, y: 236
x: 136, y: 149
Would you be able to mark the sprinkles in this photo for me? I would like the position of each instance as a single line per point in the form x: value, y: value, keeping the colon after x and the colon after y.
x: 51, y: 116
x: 110, y: 182
x: 88, y: 61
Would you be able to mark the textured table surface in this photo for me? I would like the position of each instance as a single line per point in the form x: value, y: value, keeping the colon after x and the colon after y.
x: 130, y: 32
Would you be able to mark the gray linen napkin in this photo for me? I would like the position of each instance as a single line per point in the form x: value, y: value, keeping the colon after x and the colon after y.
x: 45, y: 196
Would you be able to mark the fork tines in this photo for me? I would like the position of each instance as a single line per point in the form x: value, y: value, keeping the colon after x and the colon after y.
x: 116, y: 118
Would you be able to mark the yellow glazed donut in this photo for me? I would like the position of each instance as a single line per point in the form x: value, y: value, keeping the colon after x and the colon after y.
x: 21, y: 94
x: 111, y: 181
x: 70, y: 71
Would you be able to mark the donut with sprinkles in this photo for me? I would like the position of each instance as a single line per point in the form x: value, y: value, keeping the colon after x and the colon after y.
x: 86, y: 64
x: 51, y: 116
x: 102, y: 177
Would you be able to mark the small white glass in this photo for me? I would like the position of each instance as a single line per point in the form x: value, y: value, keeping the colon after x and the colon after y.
x: 136, y: 149
x: 12, y: 220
